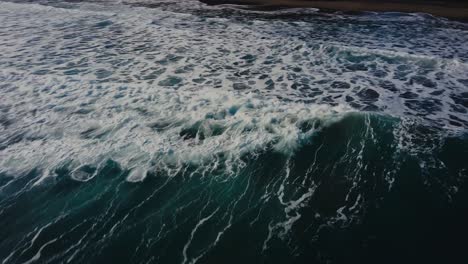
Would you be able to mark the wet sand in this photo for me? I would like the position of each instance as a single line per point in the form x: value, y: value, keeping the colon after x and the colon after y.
x: 448, y: 9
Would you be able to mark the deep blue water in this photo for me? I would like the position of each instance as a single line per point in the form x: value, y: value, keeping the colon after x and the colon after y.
x: 175, y: 132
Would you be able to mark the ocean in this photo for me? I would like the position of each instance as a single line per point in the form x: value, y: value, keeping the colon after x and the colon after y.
x: 175, y: 132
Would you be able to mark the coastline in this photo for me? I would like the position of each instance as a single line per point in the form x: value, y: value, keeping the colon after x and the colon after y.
x: 448, y: 9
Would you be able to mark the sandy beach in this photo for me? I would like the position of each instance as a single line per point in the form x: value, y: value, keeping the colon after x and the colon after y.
x: 449, y: 9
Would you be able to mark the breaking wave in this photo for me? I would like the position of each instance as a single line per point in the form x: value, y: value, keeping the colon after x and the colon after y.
x: 165, y: 131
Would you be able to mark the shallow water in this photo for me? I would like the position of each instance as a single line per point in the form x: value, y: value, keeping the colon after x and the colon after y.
x: 175, y: 132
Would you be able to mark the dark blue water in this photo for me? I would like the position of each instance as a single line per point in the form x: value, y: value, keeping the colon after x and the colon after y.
x: 175, y: 132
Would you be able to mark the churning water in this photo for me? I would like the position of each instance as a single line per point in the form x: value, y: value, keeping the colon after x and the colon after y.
x: 174, y: 132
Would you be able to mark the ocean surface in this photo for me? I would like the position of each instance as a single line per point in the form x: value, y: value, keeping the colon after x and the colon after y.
x: 176, y: 132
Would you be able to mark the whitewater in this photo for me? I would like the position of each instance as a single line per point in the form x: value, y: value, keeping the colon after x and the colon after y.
x: 176, y: 132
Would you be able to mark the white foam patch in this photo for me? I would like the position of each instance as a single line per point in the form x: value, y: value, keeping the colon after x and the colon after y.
x: 79, y: 126
x: 155, y: 89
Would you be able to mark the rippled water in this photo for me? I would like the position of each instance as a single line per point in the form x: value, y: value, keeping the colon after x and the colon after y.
x: 175, y: 132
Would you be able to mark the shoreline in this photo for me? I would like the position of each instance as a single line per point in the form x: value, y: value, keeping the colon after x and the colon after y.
x: 451, y: 10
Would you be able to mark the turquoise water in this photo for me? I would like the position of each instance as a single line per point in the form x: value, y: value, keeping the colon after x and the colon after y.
x: 175, y: 132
